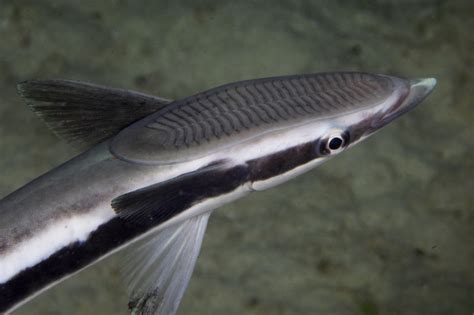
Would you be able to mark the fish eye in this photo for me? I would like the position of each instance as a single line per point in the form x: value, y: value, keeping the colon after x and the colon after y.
x: 333, y: 143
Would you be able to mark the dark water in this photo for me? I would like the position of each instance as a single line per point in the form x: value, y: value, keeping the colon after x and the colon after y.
x: 386, y: 228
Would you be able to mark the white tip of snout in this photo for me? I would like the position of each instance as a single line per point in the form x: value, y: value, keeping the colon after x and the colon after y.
x: 426, y: 84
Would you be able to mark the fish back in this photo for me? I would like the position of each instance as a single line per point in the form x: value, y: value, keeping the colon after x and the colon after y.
x: 230, y: 114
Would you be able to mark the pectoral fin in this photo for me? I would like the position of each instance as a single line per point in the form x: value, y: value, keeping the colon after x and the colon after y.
x: 158, y: 270
x: 85, y: 113
x: 160, y: 202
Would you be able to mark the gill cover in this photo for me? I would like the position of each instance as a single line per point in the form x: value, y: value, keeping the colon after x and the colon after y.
x: 234, y: 113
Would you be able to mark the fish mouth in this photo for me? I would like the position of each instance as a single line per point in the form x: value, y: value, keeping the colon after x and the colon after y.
x: 418, y: 90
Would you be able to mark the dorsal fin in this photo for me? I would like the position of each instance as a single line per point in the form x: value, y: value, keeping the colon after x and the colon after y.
x: 85, y: 113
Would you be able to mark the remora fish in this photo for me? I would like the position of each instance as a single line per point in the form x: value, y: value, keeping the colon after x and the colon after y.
x: 156, y: 169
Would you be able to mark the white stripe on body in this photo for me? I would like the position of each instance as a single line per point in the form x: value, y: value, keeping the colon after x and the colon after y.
x: 50, y: 240
x: 59, y: 234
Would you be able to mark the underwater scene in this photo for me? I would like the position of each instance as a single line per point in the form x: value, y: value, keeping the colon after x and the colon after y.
x: 384, y: 228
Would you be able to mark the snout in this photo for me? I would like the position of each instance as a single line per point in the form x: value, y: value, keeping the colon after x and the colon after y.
x: 418, y: 90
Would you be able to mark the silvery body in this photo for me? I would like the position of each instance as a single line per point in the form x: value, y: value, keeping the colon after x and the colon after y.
x: 156, y: 169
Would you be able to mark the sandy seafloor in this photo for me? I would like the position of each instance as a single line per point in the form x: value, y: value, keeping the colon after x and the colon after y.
x: 385, y: 228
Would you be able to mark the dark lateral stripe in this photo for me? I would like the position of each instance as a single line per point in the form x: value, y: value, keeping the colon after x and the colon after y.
x: 188, y: 190
x: 283, y: 161
x: 66, y: 261
x: 159, y: 202
x: 167, y: 200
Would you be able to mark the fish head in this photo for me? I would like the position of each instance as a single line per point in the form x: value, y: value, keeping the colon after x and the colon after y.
x: 268, y: 117
x: 361, y: 120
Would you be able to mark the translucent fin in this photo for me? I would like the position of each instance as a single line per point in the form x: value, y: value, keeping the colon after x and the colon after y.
x: 85, y: 113
x: 158, y: 270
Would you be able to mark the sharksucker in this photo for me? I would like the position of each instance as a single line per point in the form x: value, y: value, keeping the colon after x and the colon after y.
x: 156, y: 169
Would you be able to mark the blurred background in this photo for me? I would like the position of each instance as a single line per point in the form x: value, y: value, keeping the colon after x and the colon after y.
x: 385, y: 228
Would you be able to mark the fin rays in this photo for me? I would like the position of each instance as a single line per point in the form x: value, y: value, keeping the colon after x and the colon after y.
x: 85, y: 113
x: 158, y: 270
